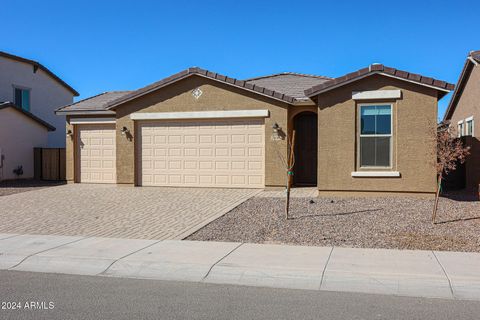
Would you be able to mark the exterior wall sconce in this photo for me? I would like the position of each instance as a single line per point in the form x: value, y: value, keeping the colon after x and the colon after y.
x: 277, y: 132
x: 69, y: 133
x: 124, y: 131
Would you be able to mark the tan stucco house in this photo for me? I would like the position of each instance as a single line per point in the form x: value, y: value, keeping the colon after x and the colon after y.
x: 463, y: 110
x: 369, y: 131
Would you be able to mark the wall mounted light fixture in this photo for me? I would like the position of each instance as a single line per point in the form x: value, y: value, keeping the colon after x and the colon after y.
x: 124, y: 131
x: 276, y: 132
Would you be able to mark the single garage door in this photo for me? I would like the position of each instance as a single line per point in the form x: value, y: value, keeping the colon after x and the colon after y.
x: 203, y: 153
x: 96, y: 153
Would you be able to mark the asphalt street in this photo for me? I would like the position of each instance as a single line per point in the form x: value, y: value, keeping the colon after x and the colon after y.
x: 54, y: 296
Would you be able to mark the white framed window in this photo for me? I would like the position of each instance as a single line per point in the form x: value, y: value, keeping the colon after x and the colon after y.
x: 22, y: 97
x: 469, y: 127
x: 375, y: 135
x: 461, y: 128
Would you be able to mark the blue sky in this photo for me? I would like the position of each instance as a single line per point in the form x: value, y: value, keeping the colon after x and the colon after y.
x: 99, y: 46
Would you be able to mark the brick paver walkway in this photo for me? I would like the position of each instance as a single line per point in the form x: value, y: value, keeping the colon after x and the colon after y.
x: 9, y: 187
x: 116, y: 211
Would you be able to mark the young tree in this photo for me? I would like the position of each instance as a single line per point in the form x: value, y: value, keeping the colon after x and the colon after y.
x: 288, y: 161
x: 450, y: 152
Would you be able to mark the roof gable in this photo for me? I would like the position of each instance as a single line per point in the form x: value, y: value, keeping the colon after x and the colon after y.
x: 8, y: 104
x: 244, y: 85
x: 472, y: 59
x: 442, y: 86
x: 37, y: 65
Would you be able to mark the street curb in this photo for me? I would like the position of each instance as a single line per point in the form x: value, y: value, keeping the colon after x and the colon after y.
x: 415, y: 273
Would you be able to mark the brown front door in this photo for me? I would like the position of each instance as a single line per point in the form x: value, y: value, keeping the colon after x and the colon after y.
x: 305, y: 169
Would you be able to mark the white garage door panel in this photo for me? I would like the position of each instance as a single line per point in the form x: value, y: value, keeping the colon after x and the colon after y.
x: 96, y: 149
x: 203, y: 153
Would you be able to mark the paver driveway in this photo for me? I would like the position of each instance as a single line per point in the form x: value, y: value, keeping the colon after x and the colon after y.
x: 116, y: 211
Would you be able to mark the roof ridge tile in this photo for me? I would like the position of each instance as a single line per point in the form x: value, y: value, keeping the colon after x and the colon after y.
x: 379, y: 68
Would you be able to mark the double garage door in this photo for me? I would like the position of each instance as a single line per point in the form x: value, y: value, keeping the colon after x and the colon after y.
x: 202, y: 153
x: 189, y: 153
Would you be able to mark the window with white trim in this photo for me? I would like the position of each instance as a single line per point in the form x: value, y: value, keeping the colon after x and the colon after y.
x: 460, y: 129
x: 469, y: 126
x: 375, y: 136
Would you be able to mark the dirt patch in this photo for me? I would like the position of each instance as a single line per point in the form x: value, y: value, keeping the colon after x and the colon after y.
x: 394, y: 222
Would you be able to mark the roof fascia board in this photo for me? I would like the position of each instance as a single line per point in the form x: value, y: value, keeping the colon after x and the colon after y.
x: 458, y: 88
x: 116, y: 104
x: 38, y: 65
x: 28, y: 115
x: 415, y: 82
x: 370, y: 74
x: 85, y: 112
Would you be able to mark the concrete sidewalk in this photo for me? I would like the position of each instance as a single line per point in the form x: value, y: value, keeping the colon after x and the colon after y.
x: 451, y: 275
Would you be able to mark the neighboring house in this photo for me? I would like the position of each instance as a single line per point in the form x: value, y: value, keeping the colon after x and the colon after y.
x: 35, y: 89
x: 370, y: 131
x: 20, y: 132
x: 463, y: 111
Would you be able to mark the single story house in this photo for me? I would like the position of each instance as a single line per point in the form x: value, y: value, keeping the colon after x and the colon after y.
x: 20, y: 132
x: 370, y: 131
x: 462, y: 111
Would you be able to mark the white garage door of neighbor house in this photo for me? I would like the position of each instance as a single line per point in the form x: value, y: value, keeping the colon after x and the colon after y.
x: 96, y: 152
x: 203, y: 153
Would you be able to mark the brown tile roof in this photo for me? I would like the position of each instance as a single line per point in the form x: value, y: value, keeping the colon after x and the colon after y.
x: 8, y: 104
x: 462, y: 81
x: 290, y: 83
x: 36, y: 65
x: 97, y: 103
x: 379, y: 69
x: 207, y: 74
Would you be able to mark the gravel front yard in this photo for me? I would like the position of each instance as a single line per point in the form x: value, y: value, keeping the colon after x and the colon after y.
x: 23, y: 185
x: 395, y: 222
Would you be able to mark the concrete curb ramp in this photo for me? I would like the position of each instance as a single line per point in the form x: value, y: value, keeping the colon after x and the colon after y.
x: 451, y: 275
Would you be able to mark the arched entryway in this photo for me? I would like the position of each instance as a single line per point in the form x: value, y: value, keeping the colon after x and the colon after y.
x: 306, y: 136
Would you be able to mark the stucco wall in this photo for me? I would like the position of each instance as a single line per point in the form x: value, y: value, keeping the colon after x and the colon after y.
x: 46, y: 94
x: 294, y: 110
x: 469, y: 105
x: 216, y: 96
x: 17, y: 145
x: 69, y: 151
x: 414, y: 122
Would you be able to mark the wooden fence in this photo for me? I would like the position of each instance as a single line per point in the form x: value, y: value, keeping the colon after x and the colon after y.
x: 49, y: 163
